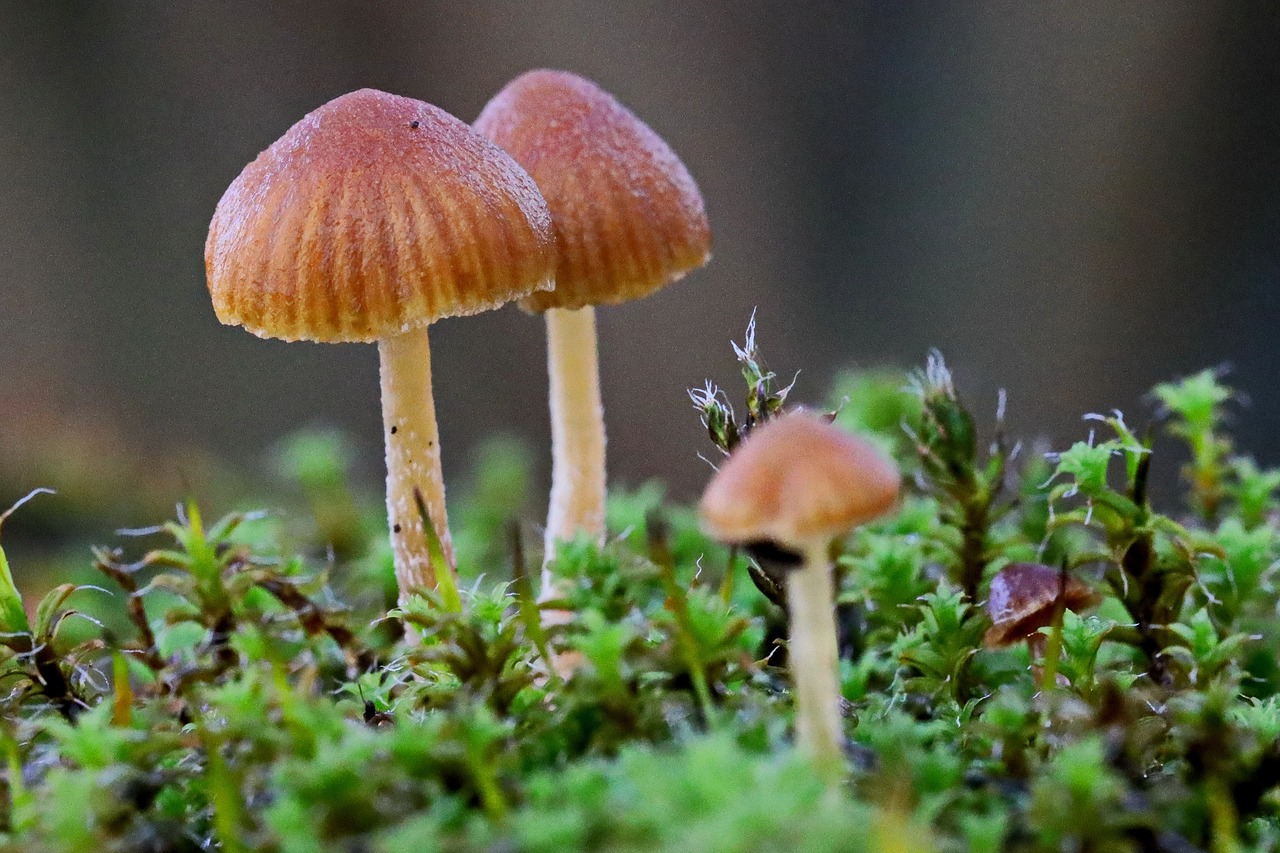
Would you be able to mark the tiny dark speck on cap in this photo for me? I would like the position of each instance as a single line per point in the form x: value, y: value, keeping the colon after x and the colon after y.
x: 415, y: 124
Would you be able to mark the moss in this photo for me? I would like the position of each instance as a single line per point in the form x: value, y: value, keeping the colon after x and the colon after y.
x: 250, y: 688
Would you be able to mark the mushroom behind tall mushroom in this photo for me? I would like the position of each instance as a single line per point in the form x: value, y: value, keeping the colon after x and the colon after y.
x: 372, y: 217
x: 628, y: 219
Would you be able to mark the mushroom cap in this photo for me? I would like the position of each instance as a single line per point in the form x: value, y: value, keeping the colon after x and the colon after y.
x: 796, y: 479
x: 373, y: 215
x: 1022, y: 599
x: 628, y: 218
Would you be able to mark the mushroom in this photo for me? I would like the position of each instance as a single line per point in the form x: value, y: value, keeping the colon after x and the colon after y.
x: 1025, y: 597
x: 628, y: 219
x: 798, y: 482
x: 372, y: 217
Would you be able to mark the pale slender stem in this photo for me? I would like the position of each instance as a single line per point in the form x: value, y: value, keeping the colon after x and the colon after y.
x: 813, y: 656
x: 1052, y: 650
x: 577, y: 431
x: 413, y: 458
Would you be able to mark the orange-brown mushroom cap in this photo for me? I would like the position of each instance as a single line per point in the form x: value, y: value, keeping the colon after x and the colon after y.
x: 628, y: 217
x: 1022, y: 601
x: 373, y: 215
x: 796, y: 479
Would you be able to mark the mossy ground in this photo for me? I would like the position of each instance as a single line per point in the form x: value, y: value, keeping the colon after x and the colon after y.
x: 244, y: 687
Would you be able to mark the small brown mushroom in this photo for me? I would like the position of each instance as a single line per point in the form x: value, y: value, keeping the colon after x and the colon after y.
x: 1023, y: 599
x: 799, y: 482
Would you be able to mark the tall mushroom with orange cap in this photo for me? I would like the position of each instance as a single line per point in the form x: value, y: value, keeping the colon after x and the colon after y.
x: 798, y: 482
x: 628, y: 219
x: 372, y: 217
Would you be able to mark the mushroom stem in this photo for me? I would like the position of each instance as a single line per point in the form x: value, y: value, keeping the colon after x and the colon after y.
x: 813, y: 659
x: 413, y: 458
x: 577, y: 431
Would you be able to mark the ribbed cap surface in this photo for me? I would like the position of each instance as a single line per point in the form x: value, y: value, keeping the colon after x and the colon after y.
x: 372, y: 215
x: 795, y: 479
x: 628, y: 218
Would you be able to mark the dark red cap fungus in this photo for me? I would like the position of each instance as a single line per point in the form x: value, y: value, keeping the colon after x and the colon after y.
x: 1023, y: 598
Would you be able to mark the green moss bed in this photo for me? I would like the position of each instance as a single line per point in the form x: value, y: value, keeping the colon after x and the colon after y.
x: 246, y: 681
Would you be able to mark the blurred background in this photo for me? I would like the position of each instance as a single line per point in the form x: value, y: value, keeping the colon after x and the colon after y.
x: 1072, y: 201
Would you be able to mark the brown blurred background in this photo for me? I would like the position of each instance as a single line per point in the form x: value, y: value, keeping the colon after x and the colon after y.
x: 1072, y: 200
